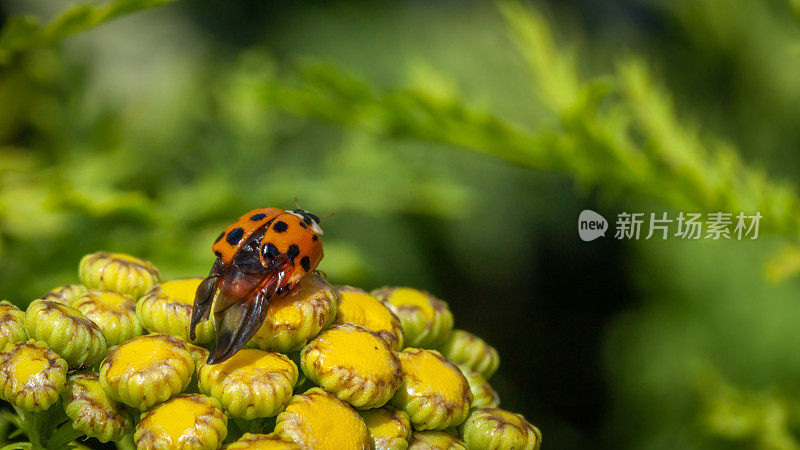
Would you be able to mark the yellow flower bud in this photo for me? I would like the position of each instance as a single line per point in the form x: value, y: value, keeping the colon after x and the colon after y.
x: 435, y: 440
x: 389, y: 427
x: 189, y: 421
x: 463, y: 347
x: 31, y: 375
x: 92, y: 411
x: 433, y: 392
x: 167, y: 308
x: 321, y: 421
x: 483, y: 395
x: 262, y: 442
x: 12, y: 324
x: 353, y: 363
x: 358, y: 307
x: 114, y: 313
x: 251, y: 384
x: 65, y: 294
x: 293, y: 320
x: 147, y: 370
x: 426, y: 320
x: 65, y: 330
x: 491, y: 428
x: 118, y: 272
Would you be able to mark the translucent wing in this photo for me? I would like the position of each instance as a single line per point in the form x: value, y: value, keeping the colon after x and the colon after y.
x: 241, y: 306
x: 204, y: 297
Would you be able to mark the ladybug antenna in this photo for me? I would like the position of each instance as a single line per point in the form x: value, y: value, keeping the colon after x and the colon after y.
x: 297, y: 203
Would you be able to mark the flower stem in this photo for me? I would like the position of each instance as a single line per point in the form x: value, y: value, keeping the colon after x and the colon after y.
x: 63, y: 435
x: 31, y: 423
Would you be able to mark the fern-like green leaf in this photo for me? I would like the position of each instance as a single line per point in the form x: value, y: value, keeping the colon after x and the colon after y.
x: 24, y: 32
x: 619, y: 133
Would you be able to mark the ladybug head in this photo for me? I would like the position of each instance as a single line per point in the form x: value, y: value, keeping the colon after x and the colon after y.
x: 310, y: 219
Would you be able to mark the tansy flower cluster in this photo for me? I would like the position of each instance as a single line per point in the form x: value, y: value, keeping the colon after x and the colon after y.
x: 332, y: 367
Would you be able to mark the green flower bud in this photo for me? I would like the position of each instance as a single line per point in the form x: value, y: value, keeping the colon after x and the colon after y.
x: 65, y: 294
x: 31, y: 375
x: 92, y: 411
x: 167, y: 308
x: 67, y: 331
x: 262, y: 442
x: 491, y: 428
x: 433, y: 392
x: 483, y: 396
x: 251, y: 384
x: 426, y: 320
x: 435, y: 440
x: 147, y: 370
x: 353, y: 363
x: 189, y: 421
x: 200, y: 356
x: 357, y: 307
x: 114, y: 313
x: 463, y: 347
x: 118, y: 272
x: 321, y: 421
x: 293, y: 320
x: 12, y: 324
x: 389, y: 427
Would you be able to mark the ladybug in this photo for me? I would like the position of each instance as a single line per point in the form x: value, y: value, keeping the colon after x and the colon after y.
x: 266, y: 252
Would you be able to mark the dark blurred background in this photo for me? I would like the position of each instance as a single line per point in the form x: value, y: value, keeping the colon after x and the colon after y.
x: 150, y: 134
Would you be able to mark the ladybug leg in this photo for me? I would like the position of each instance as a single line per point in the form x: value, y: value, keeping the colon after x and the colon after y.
x: 204, y: 297
x: 238, y: 319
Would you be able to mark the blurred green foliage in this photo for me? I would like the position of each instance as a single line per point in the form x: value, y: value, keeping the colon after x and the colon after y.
x: 622, y: 134
x: 761, y: 419
x: 163, y: 183
x: 24, y: 32
x: 630, y: 144
x: 147, y: 137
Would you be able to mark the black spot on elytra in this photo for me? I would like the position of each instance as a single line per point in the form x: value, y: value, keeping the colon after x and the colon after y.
x: 219, y: 237
x: 306, y: 263
x: 280, y: 226
x: 292, y: 252
x: 303, y: 224
x: 219, y: 255
x: 314, y: 238
x: 270, y: 251
x: 257, y: 217
x: 235, y: 235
